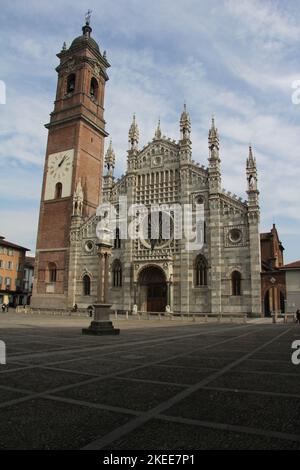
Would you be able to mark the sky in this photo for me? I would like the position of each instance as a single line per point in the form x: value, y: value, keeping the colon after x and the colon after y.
x: 234, y: 59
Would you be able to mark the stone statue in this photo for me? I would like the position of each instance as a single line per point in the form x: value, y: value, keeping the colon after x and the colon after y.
x: 134, y: 309
x: 168, y: 310
x: 103, y: 230
x: 252, y: 182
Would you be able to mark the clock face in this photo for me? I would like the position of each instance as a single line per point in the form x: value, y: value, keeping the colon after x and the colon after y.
x: 59, y: 170
x: 60, y: 165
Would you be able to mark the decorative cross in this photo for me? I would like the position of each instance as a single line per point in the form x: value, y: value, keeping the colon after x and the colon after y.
x: 88, y: 16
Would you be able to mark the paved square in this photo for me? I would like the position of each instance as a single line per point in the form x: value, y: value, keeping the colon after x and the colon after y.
x: 165, y: 385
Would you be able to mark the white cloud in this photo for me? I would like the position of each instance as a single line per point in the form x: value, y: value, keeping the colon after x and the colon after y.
x: 264, y: 19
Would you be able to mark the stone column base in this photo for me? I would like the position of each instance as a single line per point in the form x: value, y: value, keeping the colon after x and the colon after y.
x: 101, y: 325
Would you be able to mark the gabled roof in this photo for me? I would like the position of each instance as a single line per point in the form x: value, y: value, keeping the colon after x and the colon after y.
x: 8, y: 244
x: 294, y: 265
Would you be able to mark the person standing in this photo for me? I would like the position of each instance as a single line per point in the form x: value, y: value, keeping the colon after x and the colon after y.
x: 90, y: 311
x: 298, y: 316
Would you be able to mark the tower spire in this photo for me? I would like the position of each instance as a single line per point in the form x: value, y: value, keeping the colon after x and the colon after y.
x: 213, y: 140
x: 110, y: 159
x: 251, y: 161
x: 185, y: 124
x: 157, y: 135
x: 251, y: 171
x: 185, y: 144
x: 214, y: 168
x: 133, y: 134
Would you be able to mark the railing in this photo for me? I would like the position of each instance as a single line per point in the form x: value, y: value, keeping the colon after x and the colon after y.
x: 44, y: 311
x: 145, y: 315
x: 142, y: 315
x: 285, y: 316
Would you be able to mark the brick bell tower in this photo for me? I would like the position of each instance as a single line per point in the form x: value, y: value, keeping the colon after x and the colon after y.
x: 74, y: 158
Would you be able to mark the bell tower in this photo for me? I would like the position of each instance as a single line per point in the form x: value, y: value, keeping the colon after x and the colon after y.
x: 74, y: 156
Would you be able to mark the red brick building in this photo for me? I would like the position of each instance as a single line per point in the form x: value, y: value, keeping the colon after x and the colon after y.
x: 273, y: 283
x: 72, y: 182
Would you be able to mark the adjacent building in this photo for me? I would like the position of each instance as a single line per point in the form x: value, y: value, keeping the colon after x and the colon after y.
x: 12, y: 263
x: 273, y: 279
x: 292, y: 275
x: 28, y: 279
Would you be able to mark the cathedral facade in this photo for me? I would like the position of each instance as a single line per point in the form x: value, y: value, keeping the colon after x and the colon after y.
x: 147, y: 273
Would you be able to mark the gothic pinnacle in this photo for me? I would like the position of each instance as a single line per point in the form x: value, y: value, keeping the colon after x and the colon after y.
x: 213, y: 136
x: 133, y: 134
x: 158, y: 131
x: 110, y: 157
x: 251, y: 161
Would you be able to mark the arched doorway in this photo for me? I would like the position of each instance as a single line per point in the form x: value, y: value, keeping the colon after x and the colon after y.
x: 274, y: 300
x: 152, y: 290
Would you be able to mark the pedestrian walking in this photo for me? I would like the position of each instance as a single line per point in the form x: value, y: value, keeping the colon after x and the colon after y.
x: 90, y: 311
x: 298, y: 316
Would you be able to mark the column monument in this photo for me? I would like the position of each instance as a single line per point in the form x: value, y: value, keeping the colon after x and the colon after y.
x: 101, y: 324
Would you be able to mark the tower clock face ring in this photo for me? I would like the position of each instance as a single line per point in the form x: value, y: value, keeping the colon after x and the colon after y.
x: 60, y: 168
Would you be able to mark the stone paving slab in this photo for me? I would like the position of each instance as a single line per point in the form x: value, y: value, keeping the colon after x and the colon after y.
x: 45, y: 424
x: 200, y: 361
x: 261, y: 382
x: 122, y: 393
x: 275, y: 356
x: 170, y: 374
x: 38, y: 380
x: 165, y: 435
x: 260, y: 365
x: 7, y: 395
x: 92, y: 366
x: 190, y: 359
x: 276, y: 413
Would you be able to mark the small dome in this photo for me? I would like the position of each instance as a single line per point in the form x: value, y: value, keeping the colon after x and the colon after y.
x: 83, y: 41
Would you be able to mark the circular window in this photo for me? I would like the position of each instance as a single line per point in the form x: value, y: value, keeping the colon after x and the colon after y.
x: 89, y: 245
x: 235, y: 235
x: 200, y: 200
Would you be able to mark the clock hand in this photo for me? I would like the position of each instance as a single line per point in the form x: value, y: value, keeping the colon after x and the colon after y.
x: 60, y: 164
